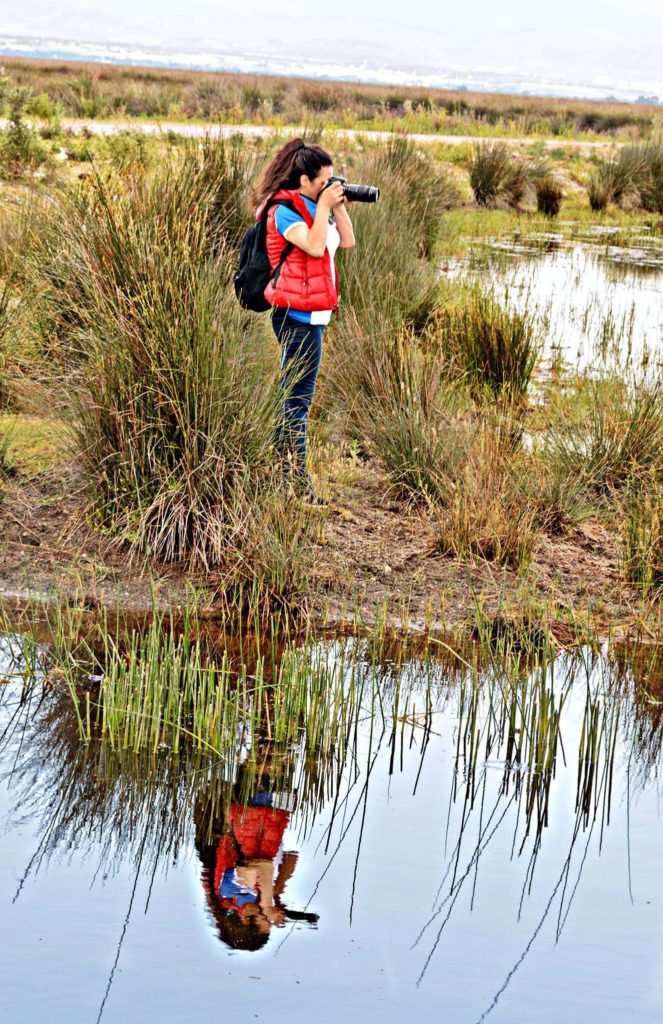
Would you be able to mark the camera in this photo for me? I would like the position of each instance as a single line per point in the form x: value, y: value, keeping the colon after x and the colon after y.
x: 355, y: 193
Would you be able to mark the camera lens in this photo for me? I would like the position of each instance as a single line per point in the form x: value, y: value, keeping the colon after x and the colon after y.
x: 361, y: 193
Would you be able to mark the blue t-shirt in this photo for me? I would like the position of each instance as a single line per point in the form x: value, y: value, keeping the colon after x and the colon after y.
x: 284, y: 218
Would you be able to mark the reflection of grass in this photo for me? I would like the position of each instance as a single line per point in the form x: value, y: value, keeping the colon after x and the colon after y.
x: 539, y: 741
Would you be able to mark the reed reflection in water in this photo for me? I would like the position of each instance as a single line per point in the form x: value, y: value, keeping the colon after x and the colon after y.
x: 503, y: 761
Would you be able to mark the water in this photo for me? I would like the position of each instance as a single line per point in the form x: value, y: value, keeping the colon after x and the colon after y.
x: 427, y: 867
x: 600, y: 295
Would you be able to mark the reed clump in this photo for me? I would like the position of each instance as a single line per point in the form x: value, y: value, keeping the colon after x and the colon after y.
x: 642, y: 534
x: 496, y: 346
x: 390, y: 273
x: 487, y: 512
x: 164, y: 687
x: 613, y: 432
x: 173, y: 389
x: 633, y: 178
x: 549, y: 195
x: 497, y: 174
x: 389, y: 282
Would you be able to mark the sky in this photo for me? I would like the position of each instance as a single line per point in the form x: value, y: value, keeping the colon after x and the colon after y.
x: 608, y: 43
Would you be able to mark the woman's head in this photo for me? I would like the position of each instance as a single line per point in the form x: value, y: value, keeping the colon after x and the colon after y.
x: 296, y: 165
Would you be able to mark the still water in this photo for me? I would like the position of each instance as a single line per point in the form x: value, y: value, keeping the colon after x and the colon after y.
x: 599, y: 295
x: 444, y: 867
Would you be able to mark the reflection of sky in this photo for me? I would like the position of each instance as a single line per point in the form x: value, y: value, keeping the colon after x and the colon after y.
x: 59, y: 938
x: 585, y: 294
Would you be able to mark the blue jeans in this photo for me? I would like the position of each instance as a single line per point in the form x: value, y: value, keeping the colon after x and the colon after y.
x: 301, y: 351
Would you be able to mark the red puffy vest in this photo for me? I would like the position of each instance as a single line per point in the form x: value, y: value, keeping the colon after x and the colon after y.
x: 305, y: 281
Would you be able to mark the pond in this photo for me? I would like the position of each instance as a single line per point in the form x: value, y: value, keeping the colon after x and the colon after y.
x: 599, y: 293
x: 484, y: 844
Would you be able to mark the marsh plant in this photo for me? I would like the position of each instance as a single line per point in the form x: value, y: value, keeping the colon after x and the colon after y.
x: 21, y: 149
x: 642, y: 534
x: 549, y: 195
x: 173, y: 389
x: 486, y: 512
x: 390, y: 274
x: 633, y: 178
x: 497, y: 174
x: 495, y: 345
x: 613, y: 432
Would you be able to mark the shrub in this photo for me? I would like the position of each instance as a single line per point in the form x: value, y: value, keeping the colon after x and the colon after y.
x: 549, y: 196
x: 486, y: 513
x: 497, y: 347
x: 618, y: 434
x: 129, y: 151
x: 174, y: 404
x: 20, y: 148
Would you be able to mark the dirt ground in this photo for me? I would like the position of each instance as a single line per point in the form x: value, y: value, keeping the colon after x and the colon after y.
x: 374, y: 555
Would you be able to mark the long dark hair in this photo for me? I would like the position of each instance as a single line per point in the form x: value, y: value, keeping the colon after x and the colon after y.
x: 284, y: 170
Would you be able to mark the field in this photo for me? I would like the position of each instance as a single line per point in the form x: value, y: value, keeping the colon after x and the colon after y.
x: 410, y: 739
x: 466, y: 467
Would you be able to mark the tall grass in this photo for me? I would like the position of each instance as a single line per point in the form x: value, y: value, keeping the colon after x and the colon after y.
x: 498, y: 174
x: 496, y: 346
x: 632, y: 178
x: 389, y: 273
x: 167, y: 685
x: 615, y: 432
x: 549, y: 195
x: 642, y: 534
x: 174, y: 393
x: 486, y: 513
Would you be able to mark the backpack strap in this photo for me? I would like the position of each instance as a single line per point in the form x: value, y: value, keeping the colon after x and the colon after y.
x: 289, y: 246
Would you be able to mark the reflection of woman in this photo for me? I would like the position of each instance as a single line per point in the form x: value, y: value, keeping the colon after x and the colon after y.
x: 304, y: 293
x: 243, y: 876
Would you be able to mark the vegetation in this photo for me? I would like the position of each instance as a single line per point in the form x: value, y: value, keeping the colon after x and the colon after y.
x: 549, y: 195
x: 632, y: 178
x: 642, y: 533
x: 497, y: 174
x: 118, y: 315
x: 78, y: 89
x: 495, y: 347
x: 174, y: 403
x: 21, y: 147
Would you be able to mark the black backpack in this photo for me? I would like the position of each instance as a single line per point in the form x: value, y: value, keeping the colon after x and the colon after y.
x: 254, y: 272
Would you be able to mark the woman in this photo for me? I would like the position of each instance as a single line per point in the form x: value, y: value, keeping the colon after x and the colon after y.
x: 304, y: 293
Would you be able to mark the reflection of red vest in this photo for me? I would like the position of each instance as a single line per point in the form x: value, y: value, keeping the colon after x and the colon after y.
x: 305, y: 282
x: 257, y: 832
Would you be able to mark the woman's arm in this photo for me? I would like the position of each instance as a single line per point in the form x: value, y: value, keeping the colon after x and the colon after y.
x: 344, y: 225
x: 313, y: 240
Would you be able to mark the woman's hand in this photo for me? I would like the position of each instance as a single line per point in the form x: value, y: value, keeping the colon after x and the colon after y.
x: 331, y: 196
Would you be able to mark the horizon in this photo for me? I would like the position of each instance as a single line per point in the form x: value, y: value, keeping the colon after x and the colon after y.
x: 586, y: 51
